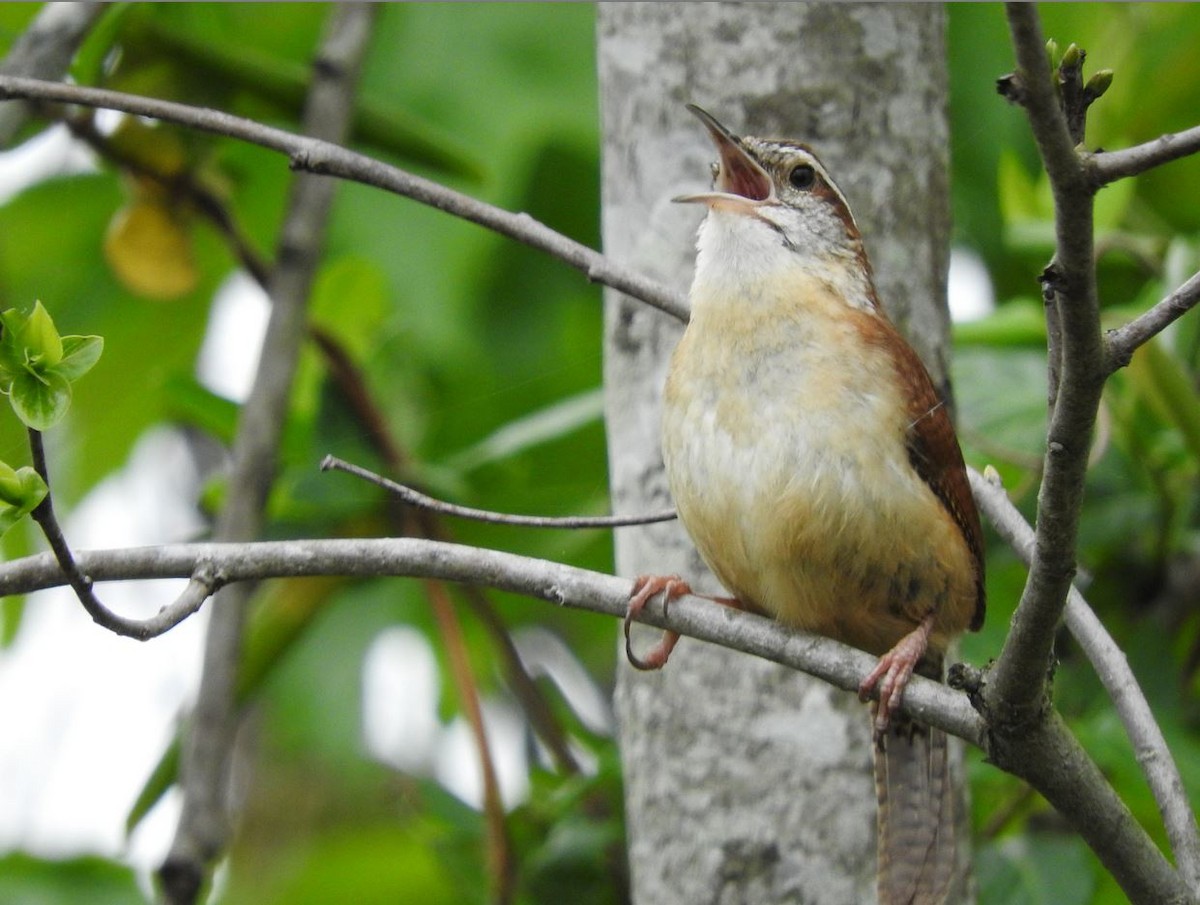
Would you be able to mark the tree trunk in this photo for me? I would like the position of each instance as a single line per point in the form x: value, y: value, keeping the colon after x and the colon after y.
x: 746, y: 782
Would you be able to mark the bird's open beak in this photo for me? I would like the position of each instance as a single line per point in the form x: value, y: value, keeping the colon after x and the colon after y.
x: 741, y: 184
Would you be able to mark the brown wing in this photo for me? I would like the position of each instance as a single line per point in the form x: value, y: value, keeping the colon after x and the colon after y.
x: 934, y: 453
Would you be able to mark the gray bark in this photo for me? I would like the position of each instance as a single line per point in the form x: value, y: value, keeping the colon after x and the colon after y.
x: 44, y: 51
x: 746, y: 782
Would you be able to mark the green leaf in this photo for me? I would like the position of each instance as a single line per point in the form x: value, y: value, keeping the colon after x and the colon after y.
x: 12, y: 358
x: 1020, y: 322
x: 80, y: 354
x: 97, y: 881
x: 245, y: 65
x: 1165, y: 383
x: 10, y: 485
x: 22, y: 487
x: 350, y: 300
x: 37, y: 365
x: 541, y: 426
x: 40, y: 338
x: 1112, y: 202
x: 1022, y: 197
x: 187, y: 401
x: 158, y: 783
x: 1009, y: 425
x: 1035, y: 869
x: 9, y: 516
x: 40, y: 400
x: 369, y: 864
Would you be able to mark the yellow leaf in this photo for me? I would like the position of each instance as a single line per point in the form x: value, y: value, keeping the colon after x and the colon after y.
x: 154, y: 146
x: 150, y: 251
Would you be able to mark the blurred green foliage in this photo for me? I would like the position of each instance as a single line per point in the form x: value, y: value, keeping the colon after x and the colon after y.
x: 483, y: 359
x: 34, y: 881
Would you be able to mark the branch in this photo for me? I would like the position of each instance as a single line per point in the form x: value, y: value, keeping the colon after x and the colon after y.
x: 1016, y: 686
x: 330, y: 159
x: 204, y: 824
x: 1120, y: 344
x: 563, y: 585
x: 45, y: 50
x: 203, y: 583
x: 1149, y: 746
x: 424, y: 501
x: 1104, y: 167
x: 1051, y: 759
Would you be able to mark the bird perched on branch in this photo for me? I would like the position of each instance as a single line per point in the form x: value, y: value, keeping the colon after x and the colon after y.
x: 818, y: 472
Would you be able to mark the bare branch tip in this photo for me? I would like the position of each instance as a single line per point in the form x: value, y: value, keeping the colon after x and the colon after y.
x: 414, y: 497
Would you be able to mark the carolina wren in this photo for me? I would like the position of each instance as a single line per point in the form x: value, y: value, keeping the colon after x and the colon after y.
x: 818, y: 472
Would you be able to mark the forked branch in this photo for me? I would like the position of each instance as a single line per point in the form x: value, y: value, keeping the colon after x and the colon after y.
x: 203, y: 581
x: 1016, y: 688
x: 1111, y: 666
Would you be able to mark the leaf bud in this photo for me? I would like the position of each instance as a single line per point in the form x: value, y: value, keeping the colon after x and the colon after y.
x: 1099, y: 82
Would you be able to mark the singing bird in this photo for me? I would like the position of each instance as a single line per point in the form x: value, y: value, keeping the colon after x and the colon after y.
x: 817, y: 471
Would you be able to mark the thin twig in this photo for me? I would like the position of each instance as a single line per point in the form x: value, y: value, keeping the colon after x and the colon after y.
x: 329, y: 159
x: 424, y: 501
x: 521, y: 684
x: 1149, y: 745
x: 562, y: 585
x: 501, y: 868
x: 1121, y: 343
x: 1108, y: 166
x: 202, y: 585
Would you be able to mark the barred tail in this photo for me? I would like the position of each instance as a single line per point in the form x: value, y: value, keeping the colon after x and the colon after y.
x: 916, y: 815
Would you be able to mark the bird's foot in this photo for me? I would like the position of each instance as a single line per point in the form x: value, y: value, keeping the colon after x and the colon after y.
x: 891, y: 674
x: 645, y: 587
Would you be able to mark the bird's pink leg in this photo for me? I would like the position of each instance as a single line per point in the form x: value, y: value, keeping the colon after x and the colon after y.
x: 671, y: 587
x: 892, y: 672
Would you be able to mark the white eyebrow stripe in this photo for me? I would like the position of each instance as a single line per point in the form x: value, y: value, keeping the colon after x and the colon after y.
x: 771, y: 151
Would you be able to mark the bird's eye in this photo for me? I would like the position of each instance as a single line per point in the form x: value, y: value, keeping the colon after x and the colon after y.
x: 802, y: 177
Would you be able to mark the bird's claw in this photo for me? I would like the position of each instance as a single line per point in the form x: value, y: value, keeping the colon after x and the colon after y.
x: 644, y: 588
x: 890, y: 676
